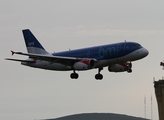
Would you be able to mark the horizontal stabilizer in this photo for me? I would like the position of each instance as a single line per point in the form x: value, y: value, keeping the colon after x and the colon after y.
x: 29, y: 61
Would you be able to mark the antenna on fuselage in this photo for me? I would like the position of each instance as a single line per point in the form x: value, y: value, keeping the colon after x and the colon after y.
x: 125, y: 40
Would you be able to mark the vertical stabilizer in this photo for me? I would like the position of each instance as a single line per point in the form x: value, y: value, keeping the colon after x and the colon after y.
x: 32, y: 44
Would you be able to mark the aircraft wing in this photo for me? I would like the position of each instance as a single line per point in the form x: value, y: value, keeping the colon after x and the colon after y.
x: 48, y: 57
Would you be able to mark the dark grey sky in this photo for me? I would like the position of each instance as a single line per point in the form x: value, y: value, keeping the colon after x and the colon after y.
x: 27, y: 93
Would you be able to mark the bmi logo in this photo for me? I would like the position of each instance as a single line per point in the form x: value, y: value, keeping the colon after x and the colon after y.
x: 31, y: 43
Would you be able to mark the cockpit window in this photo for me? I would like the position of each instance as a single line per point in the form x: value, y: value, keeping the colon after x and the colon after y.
x: 134, y: 46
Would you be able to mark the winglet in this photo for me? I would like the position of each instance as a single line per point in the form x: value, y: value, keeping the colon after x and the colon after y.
x: 12, y: 52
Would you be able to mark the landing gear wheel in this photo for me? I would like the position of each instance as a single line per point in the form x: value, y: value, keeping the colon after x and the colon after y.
x: 74, y: 75
x: 99, y: 76
x: 129, y: 71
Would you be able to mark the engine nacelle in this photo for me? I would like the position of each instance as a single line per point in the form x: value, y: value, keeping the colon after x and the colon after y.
x: 84, y: 64
x: 121, y: 67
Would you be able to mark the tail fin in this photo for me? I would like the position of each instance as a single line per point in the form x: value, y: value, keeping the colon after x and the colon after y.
x: 32, y: 44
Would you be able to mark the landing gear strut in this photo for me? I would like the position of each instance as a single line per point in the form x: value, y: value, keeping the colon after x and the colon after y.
x: 74, y: 75
x: 99, y: 76
x: 129, y: 66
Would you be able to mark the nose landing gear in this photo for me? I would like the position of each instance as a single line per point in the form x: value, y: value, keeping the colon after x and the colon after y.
x: 129, y: 66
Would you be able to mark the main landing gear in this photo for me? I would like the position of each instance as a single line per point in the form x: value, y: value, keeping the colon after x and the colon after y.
x: 99, y: 76
x: 74, y: 75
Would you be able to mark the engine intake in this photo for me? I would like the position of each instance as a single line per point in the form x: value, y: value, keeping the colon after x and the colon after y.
x: 84, y: 64
x: 121, y: 67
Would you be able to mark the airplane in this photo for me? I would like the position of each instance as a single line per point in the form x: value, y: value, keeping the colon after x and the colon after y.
x: 117, y: 57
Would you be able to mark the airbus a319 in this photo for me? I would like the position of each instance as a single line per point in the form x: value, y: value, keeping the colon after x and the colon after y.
x: 117, y: 57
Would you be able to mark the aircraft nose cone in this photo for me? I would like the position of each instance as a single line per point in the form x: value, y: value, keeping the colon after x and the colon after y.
x: 145, y: 52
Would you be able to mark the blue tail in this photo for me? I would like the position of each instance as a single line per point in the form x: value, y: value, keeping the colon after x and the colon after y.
x: 32, y: 44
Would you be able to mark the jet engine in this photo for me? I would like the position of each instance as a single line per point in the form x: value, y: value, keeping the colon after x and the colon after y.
x: 84, y: 64
x: 121, y: 67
